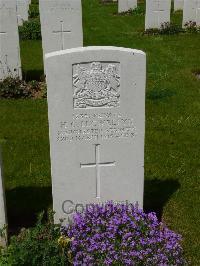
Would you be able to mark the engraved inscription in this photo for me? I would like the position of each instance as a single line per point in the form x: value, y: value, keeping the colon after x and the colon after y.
x: 96, y: 126
x: 96, y: 84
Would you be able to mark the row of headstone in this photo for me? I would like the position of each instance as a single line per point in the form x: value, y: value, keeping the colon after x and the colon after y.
x: 125, y: 5
x: 158, y: 12
x: 10, y: 62
x: 96, y: 111
x: 96, y: 108
x: 96, y: 99
x: 191, y: 10
x: 61, y: 25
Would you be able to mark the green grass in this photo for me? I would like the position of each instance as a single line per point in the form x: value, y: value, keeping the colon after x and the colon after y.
x: 172, y: 163
x: 32, y: 59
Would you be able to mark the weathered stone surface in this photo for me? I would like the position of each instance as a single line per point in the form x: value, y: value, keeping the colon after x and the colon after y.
x: 178, y: 5
x: 157, y: 13
x: 10, y: 63
x: 61, y: 24
x: 96, y: 107
x: 22, y: 11
x: 125, y: 5
x: 191, y: 12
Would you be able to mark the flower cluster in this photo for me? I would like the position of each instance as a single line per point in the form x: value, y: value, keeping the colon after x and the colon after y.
x: 121, y: 234
x: 192, y: 27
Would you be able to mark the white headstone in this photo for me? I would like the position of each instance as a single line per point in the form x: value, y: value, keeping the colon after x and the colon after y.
x: 125, y: 5
x: 178, y: 5
x: 22, y: 11
x: 61, y: 24
x: 191, y: 11
x: 96, y: 108
x: 157, y: 13
x: 3, y: 222
x: 10, y: 63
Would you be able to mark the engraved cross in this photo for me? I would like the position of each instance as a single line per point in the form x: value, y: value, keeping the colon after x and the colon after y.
x: 62, y: 32
x: 97, y: 164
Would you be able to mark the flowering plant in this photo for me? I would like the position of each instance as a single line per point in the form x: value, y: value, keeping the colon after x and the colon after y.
x: 192, y: 27
x: 121, y: 234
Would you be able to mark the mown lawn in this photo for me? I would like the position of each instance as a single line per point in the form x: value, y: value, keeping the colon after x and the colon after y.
x: 172, y: 163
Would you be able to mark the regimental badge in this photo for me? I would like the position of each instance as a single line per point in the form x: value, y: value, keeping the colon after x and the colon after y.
x: 96, y: 85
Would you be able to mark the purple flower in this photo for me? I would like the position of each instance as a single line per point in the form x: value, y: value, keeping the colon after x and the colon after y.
x: 117, y: 234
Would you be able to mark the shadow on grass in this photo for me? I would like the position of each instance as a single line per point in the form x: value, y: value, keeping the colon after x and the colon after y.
x: 25, y: 203
x: 33, y: 75
x: 160, y: 95
x: 157, y: 193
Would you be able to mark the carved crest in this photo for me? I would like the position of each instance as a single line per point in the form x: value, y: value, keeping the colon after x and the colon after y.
x: 96, y: 86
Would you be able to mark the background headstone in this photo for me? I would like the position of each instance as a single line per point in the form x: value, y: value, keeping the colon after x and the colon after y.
x: 157, y: 13
x: 108, y: 1
x: 61, y: 24
x: 191, y: 11
x: 178, y: 5
x: 125, y: 5
x: 3, y: 222
x: 96, y: 108
x: 10, y: 63
x: 22, y: 11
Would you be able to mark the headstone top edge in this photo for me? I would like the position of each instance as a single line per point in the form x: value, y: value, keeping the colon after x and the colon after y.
x: 60, y: 2
x: 94, y: 48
